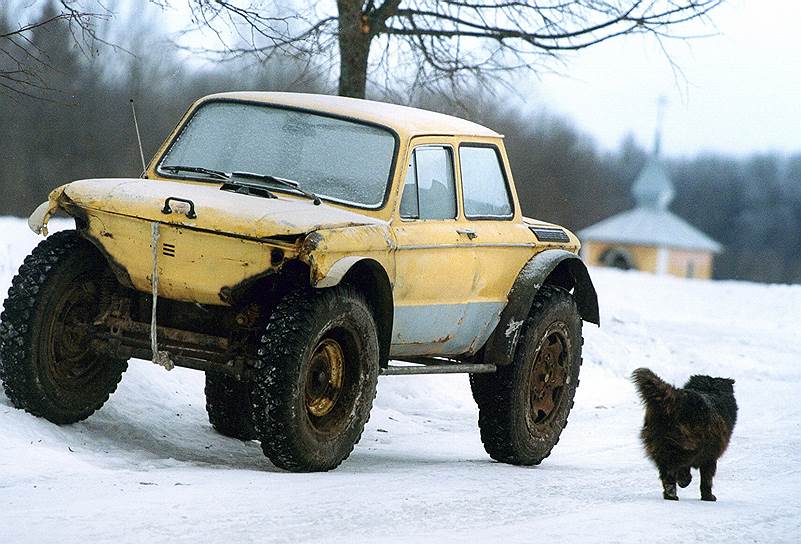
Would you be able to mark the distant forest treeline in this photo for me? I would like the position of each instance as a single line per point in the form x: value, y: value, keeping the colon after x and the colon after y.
x: 83, y: 129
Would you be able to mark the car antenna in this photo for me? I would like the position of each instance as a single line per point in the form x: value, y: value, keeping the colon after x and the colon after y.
x: 138, y: 138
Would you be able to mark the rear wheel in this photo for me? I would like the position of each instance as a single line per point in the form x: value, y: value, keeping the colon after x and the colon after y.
x: 48, y: 365
x: 229, y: 407
x: 315, y: 388
x: 524, y: 407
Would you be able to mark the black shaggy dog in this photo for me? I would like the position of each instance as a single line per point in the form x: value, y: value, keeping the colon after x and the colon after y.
x: 687, y: 427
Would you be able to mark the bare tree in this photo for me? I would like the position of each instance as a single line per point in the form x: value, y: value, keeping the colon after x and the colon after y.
x: 23, y: 64
x: 434, y: 40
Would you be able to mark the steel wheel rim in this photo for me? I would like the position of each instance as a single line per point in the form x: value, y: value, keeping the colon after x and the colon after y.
x: 70, y: 359
x: 325, y: 378
x: 549, y: 375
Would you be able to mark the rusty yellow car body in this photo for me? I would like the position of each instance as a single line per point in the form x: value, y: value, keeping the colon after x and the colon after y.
x: 295, y: 247
x: 450, y: 278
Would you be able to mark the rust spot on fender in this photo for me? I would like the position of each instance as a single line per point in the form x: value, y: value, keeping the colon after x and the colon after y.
x: 311, y: 243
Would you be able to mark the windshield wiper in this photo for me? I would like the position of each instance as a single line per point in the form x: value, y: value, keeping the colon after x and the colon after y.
x: 216, y: 174
x: 291, y: 183
x: 219, y: 174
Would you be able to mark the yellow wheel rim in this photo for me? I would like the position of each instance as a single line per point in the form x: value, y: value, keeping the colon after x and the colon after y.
x: 325, y: 378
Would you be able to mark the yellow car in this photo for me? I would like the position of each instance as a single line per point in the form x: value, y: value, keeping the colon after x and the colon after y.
x: 295, y: 247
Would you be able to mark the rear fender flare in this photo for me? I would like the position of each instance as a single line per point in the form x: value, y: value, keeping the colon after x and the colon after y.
x: 552, y: 266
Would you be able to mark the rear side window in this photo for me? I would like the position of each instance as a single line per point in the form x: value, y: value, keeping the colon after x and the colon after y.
x: 483, y: 183
x: 429, y: 191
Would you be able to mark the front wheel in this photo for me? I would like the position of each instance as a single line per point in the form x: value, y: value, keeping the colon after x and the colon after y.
x: 313, y: 393
x: 229, y: 407
x: 48, y: 365
x: 523, y: 407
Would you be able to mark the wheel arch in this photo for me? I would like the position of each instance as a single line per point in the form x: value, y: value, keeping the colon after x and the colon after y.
x: 553, y: 267
x: 59, y: 202
x: 371, y: 279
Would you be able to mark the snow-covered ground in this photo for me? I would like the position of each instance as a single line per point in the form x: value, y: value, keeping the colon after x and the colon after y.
x: 149, y: 468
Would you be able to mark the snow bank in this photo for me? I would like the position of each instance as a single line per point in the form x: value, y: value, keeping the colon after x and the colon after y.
x: 148, y: 467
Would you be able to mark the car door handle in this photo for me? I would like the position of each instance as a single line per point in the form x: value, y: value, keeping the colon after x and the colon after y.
x: 470, y: 233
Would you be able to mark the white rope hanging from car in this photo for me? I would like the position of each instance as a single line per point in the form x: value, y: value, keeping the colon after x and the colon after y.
x: 161, y: 358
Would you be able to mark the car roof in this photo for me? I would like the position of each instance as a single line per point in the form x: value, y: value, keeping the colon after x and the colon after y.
x: 404, y: 120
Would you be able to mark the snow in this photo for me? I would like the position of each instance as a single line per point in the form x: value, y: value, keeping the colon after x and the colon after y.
x: 148, y: 467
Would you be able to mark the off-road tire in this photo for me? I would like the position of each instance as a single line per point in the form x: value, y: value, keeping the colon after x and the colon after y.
x: 514, y: 428
x: 292, y: 386
x: 229, y: 406
x: 57, y: 286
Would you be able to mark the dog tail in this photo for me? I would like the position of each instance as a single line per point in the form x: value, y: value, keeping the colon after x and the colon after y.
x: 652, y: 389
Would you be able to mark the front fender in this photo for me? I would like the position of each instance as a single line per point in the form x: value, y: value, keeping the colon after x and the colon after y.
x: 553, y: 266
x: 37, y: 221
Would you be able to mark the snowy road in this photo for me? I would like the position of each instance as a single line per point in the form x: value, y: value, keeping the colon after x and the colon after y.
x: 148, y: 467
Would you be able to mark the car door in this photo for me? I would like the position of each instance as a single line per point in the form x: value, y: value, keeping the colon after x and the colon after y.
x: 434, y: 264
x: 501, y: 242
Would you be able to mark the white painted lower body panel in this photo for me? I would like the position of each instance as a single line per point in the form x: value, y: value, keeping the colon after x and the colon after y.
x: 443, y: 329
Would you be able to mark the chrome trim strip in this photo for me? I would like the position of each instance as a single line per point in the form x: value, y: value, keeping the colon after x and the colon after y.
x: 449, y: 246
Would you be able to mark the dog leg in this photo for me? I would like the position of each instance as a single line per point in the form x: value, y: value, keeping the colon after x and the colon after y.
x: 668, y: 485
x: 707, y: 473
x: 684, y: 477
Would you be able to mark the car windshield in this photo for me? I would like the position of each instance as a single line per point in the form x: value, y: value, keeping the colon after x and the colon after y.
x: 337, y: 159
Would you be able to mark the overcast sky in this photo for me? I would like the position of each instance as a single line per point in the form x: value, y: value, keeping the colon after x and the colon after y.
x: 742, y: 92
x: 738, y: 91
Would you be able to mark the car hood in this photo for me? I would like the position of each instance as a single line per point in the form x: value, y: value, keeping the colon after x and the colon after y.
x: 219, y: 211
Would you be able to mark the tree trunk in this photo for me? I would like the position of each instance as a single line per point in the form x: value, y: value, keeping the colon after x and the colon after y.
x: 355, y: 36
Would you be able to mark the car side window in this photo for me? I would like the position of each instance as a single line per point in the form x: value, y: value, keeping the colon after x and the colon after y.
x: 429, y: 190
x: 486, y: 193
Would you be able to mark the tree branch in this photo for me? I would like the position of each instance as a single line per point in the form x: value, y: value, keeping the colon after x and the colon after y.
x: 441, y: 40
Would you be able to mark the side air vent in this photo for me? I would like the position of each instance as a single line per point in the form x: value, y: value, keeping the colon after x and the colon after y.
x: 544, y: 234
x: 168, y: 250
